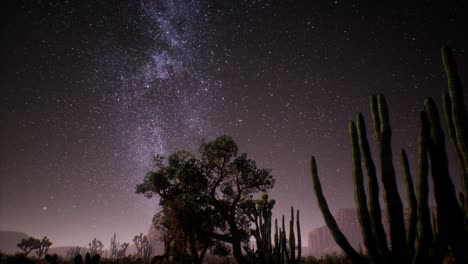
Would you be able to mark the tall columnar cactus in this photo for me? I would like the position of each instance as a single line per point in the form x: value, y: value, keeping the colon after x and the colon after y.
x: 281, y: 250
x: 424, y: 237
x: 412, y: 204
x: 373, y: 191
x: 457, y: 121
x: 423, y: 242
x: 360, y: 196
x: 450, y: 218
x: 337, y: 234
x: 291, y: 256
x: 383, y: 133
x: 299, y: 239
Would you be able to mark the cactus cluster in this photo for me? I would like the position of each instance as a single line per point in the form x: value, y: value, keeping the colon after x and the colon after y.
x: 283, y: 248
x: 420, y: 240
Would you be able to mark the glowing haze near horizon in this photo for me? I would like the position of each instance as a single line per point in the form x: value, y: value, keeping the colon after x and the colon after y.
x: 90, y: 91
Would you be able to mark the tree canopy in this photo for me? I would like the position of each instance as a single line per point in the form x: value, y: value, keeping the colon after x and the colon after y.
x: 203, y: 198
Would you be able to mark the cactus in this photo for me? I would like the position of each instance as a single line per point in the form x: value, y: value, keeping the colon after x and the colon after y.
x: 114, y: 247
x: 292, y: 239
x: 449, y: 229
x: 412, y: 203
x: 299, y: 239
x: 392, y: 198
x: 337, y: 234
x: 373, y: 191
x: 450, y: 218
x: 457, y: 119
x: 280, y: 250
x: 360, y: 195
x: 424, y: 237
x: 290, y: 252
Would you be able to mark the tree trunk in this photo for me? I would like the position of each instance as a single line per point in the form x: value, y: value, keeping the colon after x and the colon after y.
x: 236, y: 247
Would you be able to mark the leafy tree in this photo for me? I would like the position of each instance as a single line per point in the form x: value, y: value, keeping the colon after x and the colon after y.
x: 202, y: 198
x: 29, y: 244
x: 185, y: 216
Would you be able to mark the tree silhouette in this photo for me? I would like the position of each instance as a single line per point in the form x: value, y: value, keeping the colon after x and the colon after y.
x: 43, y: 247
x: 95, y: 247
x: 203, y: 197
x: 29, y: 244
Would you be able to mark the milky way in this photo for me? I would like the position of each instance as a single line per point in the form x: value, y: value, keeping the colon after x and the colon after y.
x: 171, y: 96
x: 91, y: 90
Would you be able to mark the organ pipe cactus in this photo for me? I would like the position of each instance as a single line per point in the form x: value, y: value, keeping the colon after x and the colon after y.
x: 457, y: 121
x: 280, y: 250
x: 450, y: 218
x: 383, y: 133
x: 424, y: 237
x: 419, y: 241
x: 360, y: 195
x: 412, y: 204
x: 373, y: 191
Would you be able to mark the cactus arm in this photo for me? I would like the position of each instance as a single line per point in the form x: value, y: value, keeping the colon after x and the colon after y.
x: 424, y: 238
x: 292, y: 238
x: 360, y: 197
x: 299, y: 242
x: 391, y: 195
x: 373, y: 189
x: 330, y: 220
x: 412, y: 203
x: 450, y: 218
x: 459, y: 114
x: 283, y: 242
x: 457, y: 119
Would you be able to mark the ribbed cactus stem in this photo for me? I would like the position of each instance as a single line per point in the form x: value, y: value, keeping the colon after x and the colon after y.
x: 391, y: 196
x: 360, y: 197
x: 285, y: 253
x: 292, y: 238
x: 412, y: 203
x: 299, y: 242
x: 457, y: 118
x: 373, y: 190
x: 424, y: 238
x: 450, y: 218
x: 330, y: 220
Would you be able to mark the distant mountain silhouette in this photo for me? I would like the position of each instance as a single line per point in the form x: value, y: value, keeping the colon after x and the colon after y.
x: 9, y: 241
x: 156, y: 240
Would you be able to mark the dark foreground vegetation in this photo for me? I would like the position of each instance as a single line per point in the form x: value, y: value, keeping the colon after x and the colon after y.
x: 20, y: 258
x: 423, y: 239
x: 215, y: 204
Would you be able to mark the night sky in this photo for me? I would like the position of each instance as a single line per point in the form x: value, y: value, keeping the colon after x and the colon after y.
x: 91, y: 90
